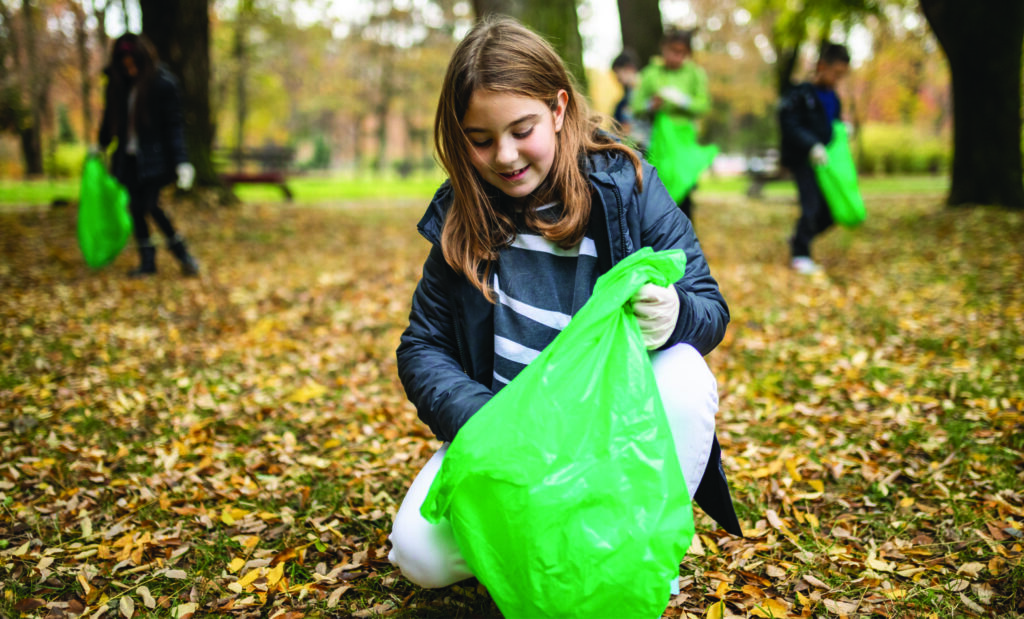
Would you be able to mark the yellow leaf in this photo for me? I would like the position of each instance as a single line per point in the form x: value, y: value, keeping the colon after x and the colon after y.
x: 817, y: 484
x: 791, y: 467
x: 770, y: 608
x: 246, y: 580
x: 274, y: 575
x: 812, y: 520
x: 236, y: 564
x: 907, y: 501
x: 696, y: 548
x: 879, y: 565
x: 803, y: 599
x: 307, y: 392
x: 716, y: 611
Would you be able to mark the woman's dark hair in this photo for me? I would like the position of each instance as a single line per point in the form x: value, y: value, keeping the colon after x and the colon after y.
x: 145, y: 58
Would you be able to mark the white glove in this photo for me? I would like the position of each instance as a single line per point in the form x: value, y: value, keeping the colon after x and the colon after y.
x: 675, y: 97
x: 186, y: 174
x: 818, y: 156
x: 657, y: 310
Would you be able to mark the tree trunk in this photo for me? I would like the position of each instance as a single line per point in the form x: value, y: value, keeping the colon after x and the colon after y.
x: 640, y: 23
x: 555, y: 20
x: 785, y: 65
x: 100, y: 13
x: 983, y: 47
x: 36, y: 78
x: 84, y: 68
x: 180, y: 30
x: 241, y: 55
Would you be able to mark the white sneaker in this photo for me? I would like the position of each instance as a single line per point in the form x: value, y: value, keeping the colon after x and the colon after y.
x: 804, y: 265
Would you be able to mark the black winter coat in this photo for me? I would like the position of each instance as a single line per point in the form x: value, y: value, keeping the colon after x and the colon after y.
x: 803, y: 123
x: 445, y: 358
x: 161, y: 133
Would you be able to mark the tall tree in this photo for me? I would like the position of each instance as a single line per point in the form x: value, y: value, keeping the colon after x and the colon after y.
x: 26, y: 80
x: 795, y: 21
x: 983, y: 44
x: 640, y: 23
x: 180, y: 30
x: 556, y: 20
x: 84, y: 66
x: 241, y: 57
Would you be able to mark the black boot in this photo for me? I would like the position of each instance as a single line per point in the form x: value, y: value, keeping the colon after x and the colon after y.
x: 147, y: 262
x: 189, y: 266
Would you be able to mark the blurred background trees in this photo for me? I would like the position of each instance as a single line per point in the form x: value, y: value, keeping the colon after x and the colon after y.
x: 350, y: 85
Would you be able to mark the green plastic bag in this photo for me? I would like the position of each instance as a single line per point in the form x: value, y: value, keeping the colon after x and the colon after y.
x: 104, y: 224
x: 674, y: 151
x: 564, y: 491
x: 838, y: 180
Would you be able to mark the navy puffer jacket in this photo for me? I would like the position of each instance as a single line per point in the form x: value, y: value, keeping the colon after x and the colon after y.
x: 446, y: 354
x: 161, y: 137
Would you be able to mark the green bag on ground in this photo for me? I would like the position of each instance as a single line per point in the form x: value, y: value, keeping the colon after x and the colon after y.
x: 674, y: 151
x: 104, y: 224
x: 838, y: 180
x: 564, y: 491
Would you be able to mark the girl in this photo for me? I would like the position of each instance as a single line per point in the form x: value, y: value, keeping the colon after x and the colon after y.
x: 538, y: 203
x: 143, y: 113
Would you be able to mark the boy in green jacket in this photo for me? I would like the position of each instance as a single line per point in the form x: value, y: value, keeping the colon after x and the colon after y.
x: 673, y: 93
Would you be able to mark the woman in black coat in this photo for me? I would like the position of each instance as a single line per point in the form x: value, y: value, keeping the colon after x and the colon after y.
x: 144, y: 114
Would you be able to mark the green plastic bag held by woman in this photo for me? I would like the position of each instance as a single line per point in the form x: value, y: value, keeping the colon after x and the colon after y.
x: 564, y: 491
x: 838, y: 180
x: 104, y: 224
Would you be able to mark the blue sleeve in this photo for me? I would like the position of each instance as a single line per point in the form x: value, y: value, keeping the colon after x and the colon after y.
x: 428, y: 355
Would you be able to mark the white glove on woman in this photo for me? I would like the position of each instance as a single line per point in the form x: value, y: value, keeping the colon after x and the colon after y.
x: 818, y: 156
x: 657, y: 310
x: 186, y: 174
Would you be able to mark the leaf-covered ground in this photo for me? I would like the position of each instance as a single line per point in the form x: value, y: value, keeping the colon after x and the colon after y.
x: 236, y: 445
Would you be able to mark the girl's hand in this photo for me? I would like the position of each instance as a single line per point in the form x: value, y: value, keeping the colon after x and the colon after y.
x: 657, y: 310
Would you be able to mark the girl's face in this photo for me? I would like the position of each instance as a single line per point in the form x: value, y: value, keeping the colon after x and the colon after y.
x: 513, y: 139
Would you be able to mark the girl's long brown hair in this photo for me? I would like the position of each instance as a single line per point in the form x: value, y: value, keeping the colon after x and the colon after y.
x: 501, y: 55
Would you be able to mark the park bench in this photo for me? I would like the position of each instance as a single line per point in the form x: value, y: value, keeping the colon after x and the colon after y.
x: 266, y: 165
x: 763, y: 169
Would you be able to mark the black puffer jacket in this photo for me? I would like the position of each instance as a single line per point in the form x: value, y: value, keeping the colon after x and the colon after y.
x: 161, y: 134
x: 803, y: 123
x: 445, y: 359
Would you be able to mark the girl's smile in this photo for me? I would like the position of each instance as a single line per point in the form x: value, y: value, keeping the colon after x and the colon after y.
x: 513, y: 139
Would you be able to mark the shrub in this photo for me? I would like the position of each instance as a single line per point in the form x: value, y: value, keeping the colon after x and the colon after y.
x: 900, y: 149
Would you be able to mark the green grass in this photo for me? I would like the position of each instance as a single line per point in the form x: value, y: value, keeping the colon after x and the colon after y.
x: 310, y: 189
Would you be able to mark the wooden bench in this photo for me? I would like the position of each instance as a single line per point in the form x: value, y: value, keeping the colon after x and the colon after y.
x: 763, y: 169
x: 269, y: 165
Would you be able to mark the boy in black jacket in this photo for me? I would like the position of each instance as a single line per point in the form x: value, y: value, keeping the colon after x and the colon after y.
x: 806, y: 114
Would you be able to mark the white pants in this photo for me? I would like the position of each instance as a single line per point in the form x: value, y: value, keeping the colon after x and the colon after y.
x: 427, y: 553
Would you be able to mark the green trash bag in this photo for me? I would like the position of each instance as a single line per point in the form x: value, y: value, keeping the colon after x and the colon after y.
x: 564, y: 491
x: 104, y: 224
x: 674, y: 151
x: 838, y: 180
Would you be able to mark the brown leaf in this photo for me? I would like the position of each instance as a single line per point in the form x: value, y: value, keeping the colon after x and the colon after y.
x: 27, y: 605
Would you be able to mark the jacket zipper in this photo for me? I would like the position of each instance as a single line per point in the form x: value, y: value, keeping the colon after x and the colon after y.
x: 463, y: 357
x: 622, y: 218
